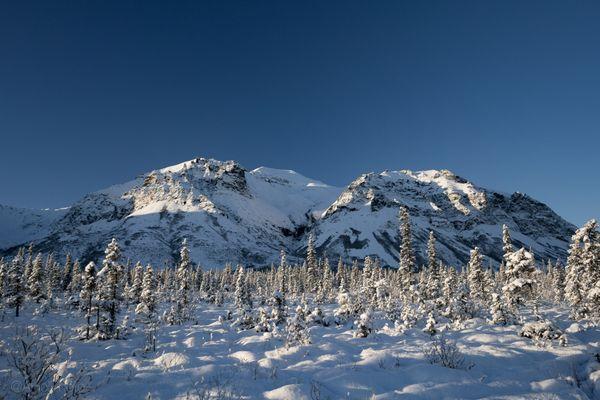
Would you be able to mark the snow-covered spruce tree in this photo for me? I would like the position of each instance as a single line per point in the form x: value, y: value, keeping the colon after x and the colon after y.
x: 110, y: 288
x: 558, y: 282
x: 433, y: 276
x: 296, y: 329
x: 15, y: 290
x: 340, y: 273
x: 368, y: 295
x: 430, y: 325
x: 88, y: 290
x: 3, y: 272
x: 583, y: 272
x: 382, y: 293
x: 184, y: 283
x: 500, y: 314
x: 475, y: 275
x: 264, y: 323
x: 364, y: 325
x: 135, y: 290
x: 75, y: 284
x: 520, y: 277
x: 145, y: 311
x: 312, y: 278
x: 35, y: 283
x: 226, y: 278
x: 590, y: 254
x: 407, y: 256
x: 148, y: 293
x: 507, y: 247
x: 52, y: 277
x: 431, y: 253
x: 345, y: 307
x: 326, y: 285
x: 575, y: 270
x: 28, y: 260
x: 67, y: 274
x: 280, y: 279
x: 242, y: 296
x: 461, y: 307
x: 278, y: 303
x: 449, y: 286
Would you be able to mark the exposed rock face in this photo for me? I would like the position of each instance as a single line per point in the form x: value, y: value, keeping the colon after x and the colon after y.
x: 230, y: 214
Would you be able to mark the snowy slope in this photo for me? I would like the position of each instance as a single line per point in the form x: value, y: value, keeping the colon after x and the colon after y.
x: 363, y: 220
x: 230, y: 214
x: 20, y: 225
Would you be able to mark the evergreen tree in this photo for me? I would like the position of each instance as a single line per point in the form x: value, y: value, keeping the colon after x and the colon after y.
x: 475, y: 275
x: 296, y: 329
x: 433, y: 277
x: 242, y: 295
x: 520, y: 271
x: 135, y: 290
x: 407, y: 257
x: 111, y: 291
x: 3, y: 272
x: 583, y: 271
x: 75, y: 284
x: 35, y: 283
x: 183, y: 280
x: 430, y: 325
x: 67, y: 275
x: 149, y: 286
x: 558, y: 282
x: 88, y: 289
x: 14, y: 292
x: 311, y: 264
x: 431, y: 253
x: 506, y: 240
x: 364, y: 325
x: 500, y: 314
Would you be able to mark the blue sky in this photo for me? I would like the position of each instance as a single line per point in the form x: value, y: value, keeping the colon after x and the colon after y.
x: 506, y: 94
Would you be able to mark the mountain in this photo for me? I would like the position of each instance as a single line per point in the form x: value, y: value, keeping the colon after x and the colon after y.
x: 230, y: 214
x: 363, y: 220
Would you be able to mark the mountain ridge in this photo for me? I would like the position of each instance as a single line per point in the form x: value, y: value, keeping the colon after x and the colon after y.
x: 231, y: 214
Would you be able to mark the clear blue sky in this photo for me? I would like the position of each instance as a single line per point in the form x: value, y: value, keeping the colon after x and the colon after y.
x: 506, y: 94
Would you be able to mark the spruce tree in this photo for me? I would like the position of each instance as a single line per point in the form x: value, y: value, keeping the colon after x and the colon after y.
x: 15, y: 289
x: 111, y: 291
x: 3, y: 272
x: 88, y: 289
x: 407, y: 256
x: 183, y: 281
x: 311, y: 264
x: 148, y: 294
x: 67, y: 275
x: 35, y: 284
x: 475, y: 275
x: 242, y: 295
x: 135, y: 290
x: 558, y: 282
x: 507, y: 247
x: 520, y: 274
x: 431, y: 253
x: 75, y: 284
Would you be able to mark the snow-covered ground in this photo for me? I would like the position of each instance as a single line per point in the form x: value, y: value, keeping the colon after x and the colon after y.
x: 211, y: 355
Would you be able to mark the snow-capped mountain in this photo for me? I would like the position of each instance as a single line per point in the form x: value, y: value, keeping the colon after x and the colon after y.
x: 363, y: 220
x: 230, y: 214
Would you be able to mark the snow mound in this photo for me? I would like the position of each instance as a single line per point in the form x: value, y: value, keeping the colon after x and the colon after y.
x: 171, y: 360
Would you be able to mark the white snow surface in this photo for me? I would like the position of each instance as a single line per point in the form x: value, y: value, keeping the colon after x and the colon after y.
x: 212, y: 355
